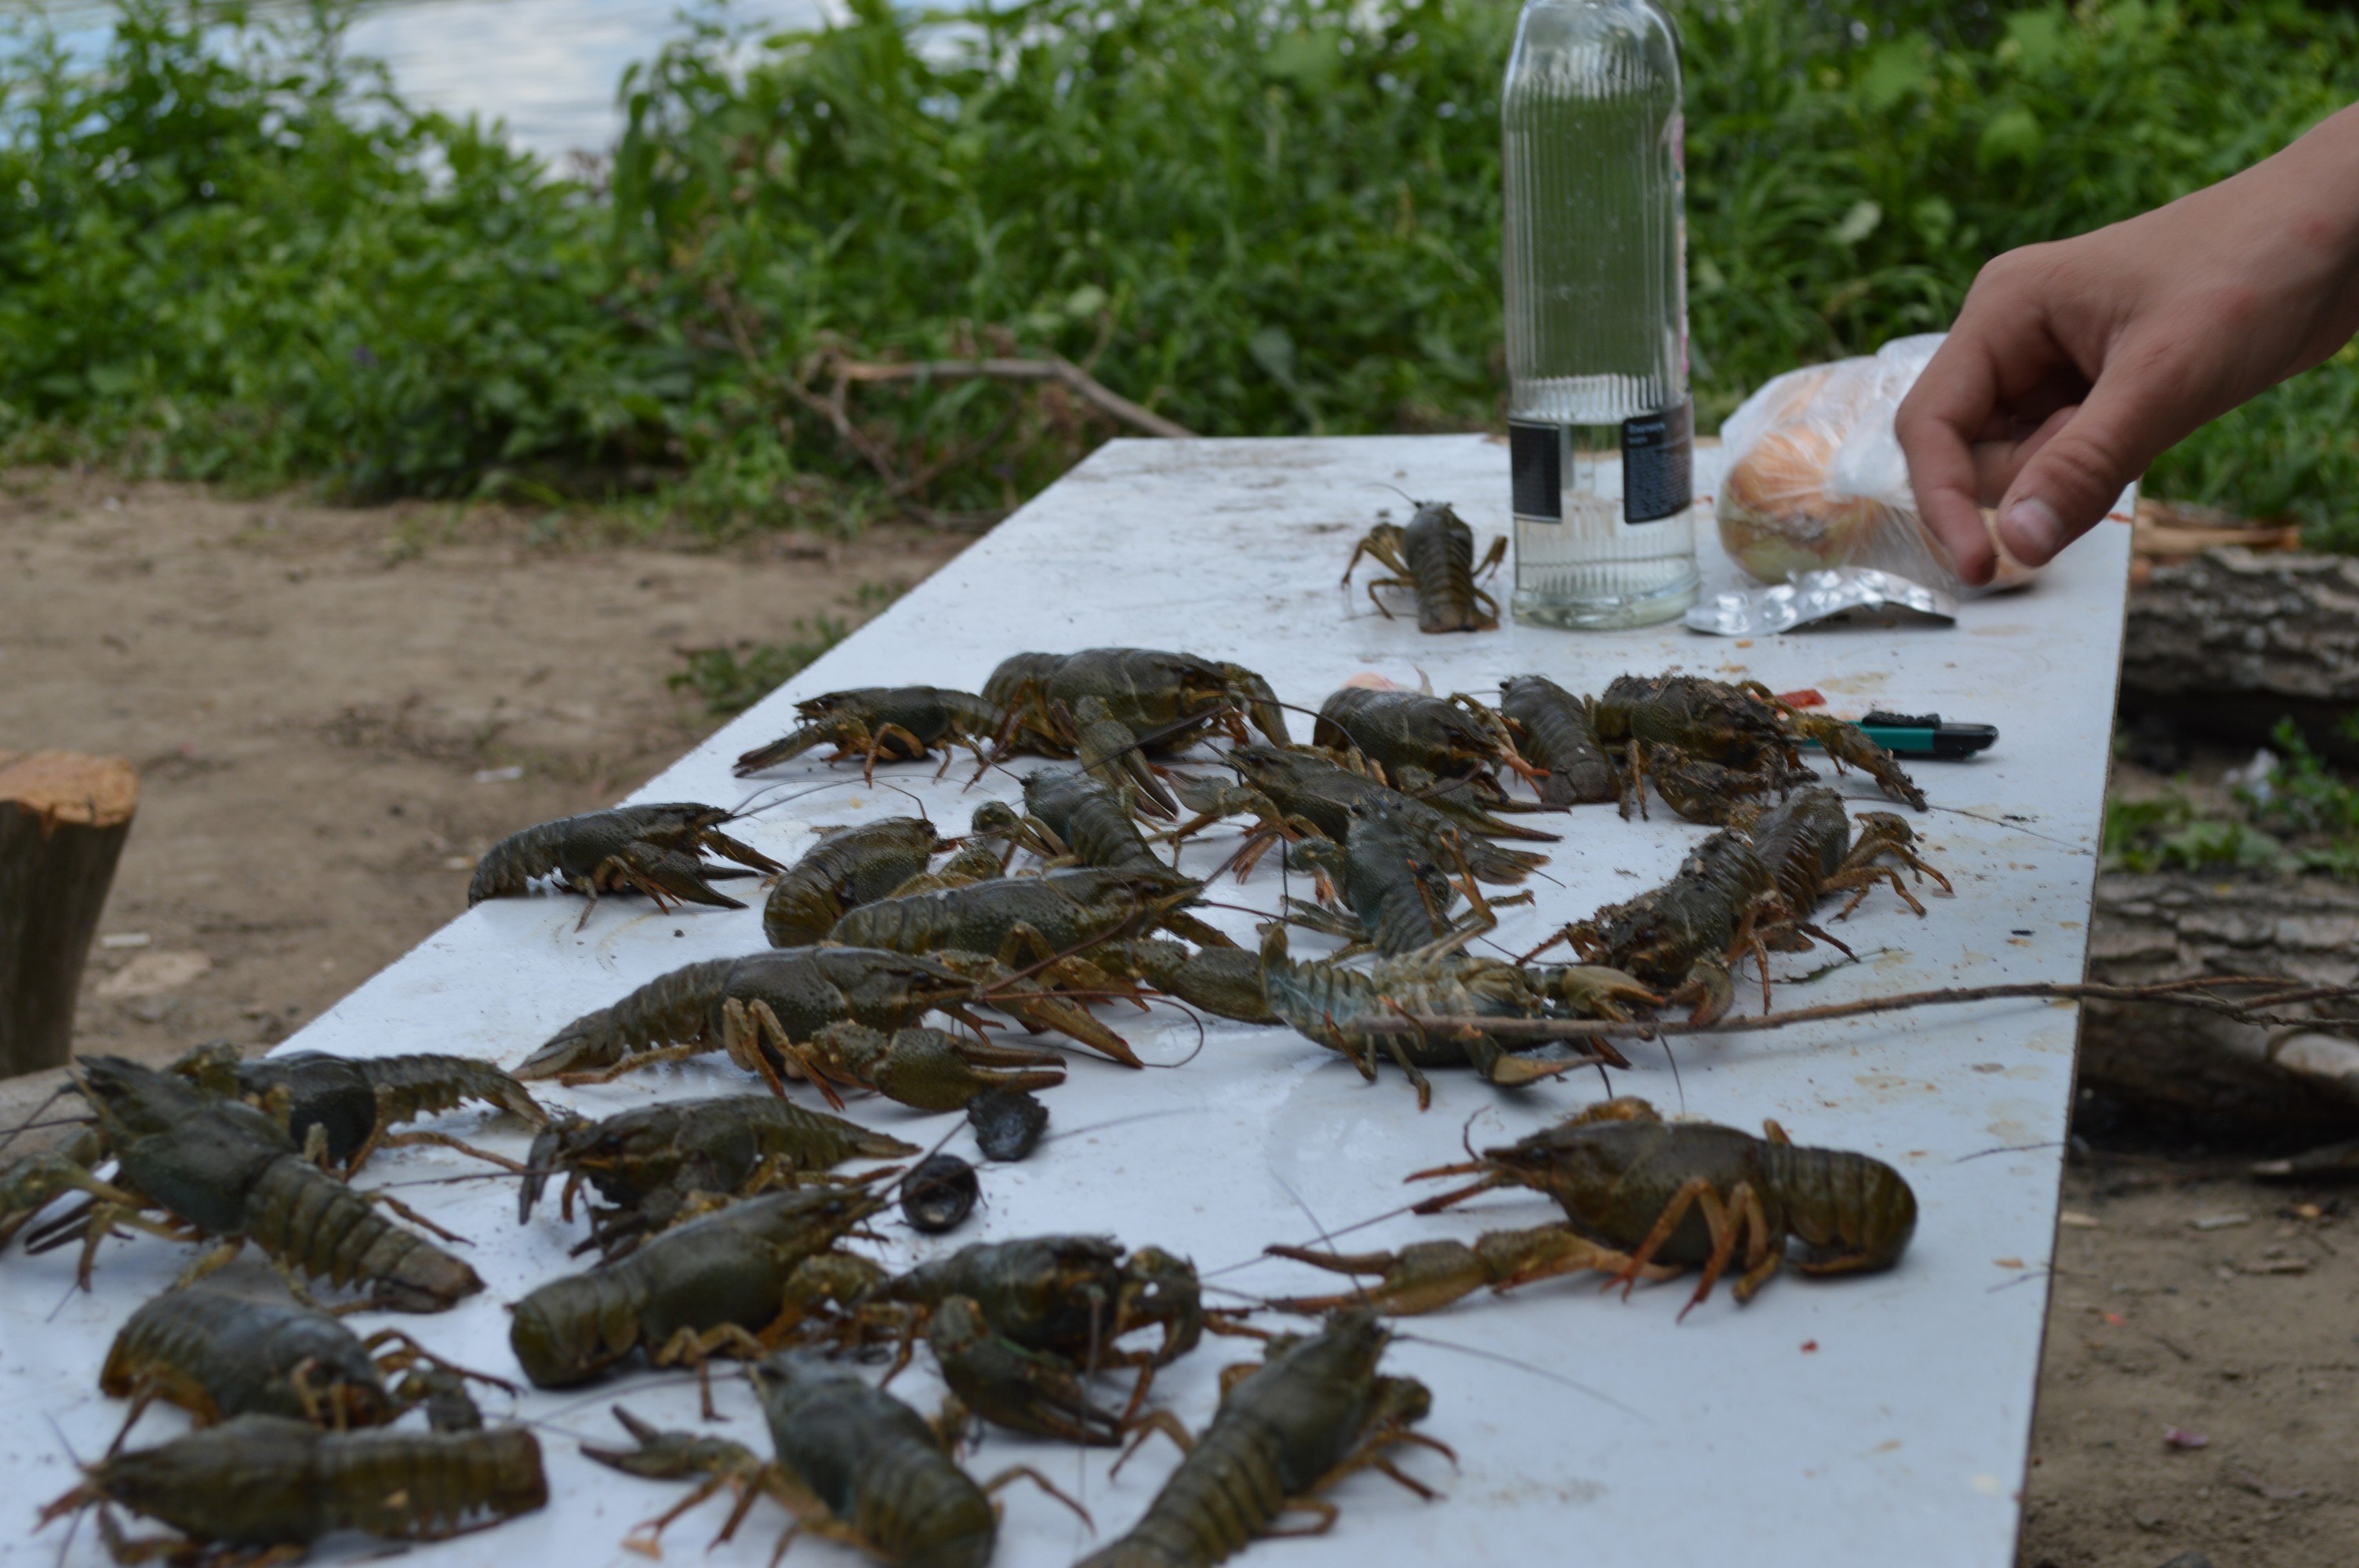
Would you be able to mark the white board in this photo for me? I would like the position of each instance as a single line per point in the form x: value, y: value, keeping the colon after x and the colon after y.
x: 1880, y: 1419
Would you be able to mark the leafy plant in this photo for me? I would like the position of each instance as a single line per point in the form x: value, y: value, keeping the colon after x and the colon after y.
x: 2302, y: 794
x: 2166, y: 832
x: 232, y: 252
x: 2132, y: 825
x: 2300, y: 815
x: 731, y: 679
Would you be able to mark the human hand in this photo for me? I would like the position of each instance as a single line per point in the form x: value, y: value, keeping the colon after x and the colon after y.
x: 2073, y: 365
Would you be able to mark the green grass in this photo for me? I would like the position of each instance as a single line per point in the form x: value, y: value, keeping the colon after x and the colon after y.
x: 246, y: 262
x: 733, y: 679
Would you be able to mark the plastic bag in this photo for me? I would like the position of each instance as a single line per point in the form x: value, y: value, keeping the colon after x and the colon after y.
x: 1816, y: 478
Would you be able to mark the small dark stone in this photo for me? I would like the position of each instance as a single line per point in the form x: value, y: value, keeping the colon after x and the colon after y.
x: 939, y: 1194
x: 1008, y: 1123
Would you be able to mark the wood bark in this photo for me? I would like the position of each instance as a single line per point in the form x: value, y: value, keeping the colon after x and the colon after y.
x: 2173, y: 925
x: 2231, y: 639
x: 64, y: 818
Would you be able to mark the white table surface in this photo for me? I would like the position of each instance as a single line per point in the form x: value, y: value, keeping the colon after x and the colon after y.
x: 1880, y: 1419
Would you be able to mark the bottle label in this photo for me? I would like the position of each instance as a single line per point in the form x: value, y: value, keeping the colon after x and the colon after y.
x: 1658, y: 465
x: 1535, y: 460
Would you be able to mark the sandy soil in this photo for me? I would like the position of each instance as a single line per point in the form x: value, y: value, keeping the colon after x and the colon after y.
x: 2200, y: 1391
x: 334, y: 713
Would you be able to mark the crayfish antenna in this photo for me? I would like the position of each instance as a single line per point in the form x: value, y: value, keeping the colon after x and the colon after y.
x: 33, y: 1118
x: 1456, y: 1196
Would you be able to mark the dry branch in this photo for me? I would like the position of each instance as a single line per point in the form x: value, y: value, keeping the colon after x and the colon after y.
x: 1057, y: 368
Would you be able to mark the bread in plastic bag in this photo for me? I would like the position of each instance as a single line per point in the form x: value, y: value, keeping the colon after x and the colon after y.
x: 1816, y: 478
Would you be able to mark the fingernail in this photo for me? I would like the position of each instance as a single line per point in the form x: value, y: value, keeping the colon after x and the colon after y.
x: 2031, y: 531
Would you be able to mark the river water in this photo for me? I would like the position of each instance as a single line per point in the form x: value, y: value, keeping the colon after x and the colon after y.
x: 548, y: 69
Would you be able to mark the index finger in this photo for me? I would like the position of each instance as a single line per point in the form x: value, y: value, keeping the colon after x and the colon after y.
x: 1953, y: 400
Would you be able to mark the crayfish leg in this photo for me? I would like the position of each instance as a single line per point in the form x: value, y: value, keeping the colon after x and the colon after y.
x: 1726, y: 1222
x: 746, y: 1026
x: 1865, y: 881
x: 647, y: 1536
x: 1319, y: 1509
x: 1492, y: 558
x: 1456, y: 1196
x: 691, y: 1348
x: 1693, y: 1191
x: 1167, y: 1423
x: 1015, y: 1472
x: 1710, y: 990
x: 436, y: 1140
x: 130, y: 1551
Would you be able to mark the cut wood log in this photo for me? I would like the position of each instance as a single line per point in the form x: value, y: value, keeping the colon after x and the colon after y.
x: 64, y: 818
x: 2231, y: 640
x: 2176, y: 925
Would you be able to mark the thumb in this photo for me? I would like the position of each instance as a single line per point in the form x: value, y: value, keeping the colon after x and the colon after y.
x: 2080, y: 470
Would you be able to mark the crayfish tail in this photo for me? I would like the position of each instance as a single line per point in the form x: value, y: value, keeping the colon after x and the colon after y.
x: 304, y: 1218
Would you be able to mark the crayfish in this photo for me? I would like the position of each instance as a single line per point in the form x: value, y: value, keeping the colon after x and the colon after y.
x: 269, y: 1486
x: 766, y: 1010
x: 218, y: 1167
x: 888, y: 724
x: 1805, y: 841
x: 1298, y: 792
x: 1164, y: 699
x: 926, y: 1069
x: 219, y: 1356
x: 1413, y: 735
x: 349, y: 1103
x: 1555, y: 734
x: 1748, y: 891
x: 1434, y: 557
x: 1070, y: 1295
x: 654, y: 1162
x: 847, y: 868
x: 1014, y: 1386
x: 729, y: 1282
x: 1324, y: 1000
x: 855, y: 1465
x: 1079, y: 819
x: 1694, y: 1193
x: 1314, y: 1411
x: 1746, y: 727
x: 1684, y: 936
x: 1396, y: 884
x: 654, y: 849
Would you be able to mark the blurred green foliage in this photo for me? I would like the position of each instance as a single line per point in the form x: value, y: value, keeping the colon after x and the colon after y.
x: 2166, y: 833
x: 2299, y: 815
x: 232, y: 253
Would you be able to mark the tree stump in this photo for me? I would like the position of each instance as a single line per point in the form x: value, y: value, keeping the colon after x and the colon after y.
x: 64, y: 818
x: 2178, y: 924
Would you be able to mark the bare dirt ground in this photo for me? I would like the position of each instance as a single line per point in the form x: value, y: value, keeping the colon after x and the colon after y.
x: 334, y: 713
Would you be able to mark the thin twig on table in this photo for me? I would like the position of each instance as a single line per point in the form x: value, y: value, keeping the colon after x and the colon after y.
x: 2190, y: 993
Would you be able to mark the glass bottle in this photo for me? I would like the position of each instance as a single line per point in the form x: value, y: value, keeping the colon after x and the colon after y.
x: 1601, y: 429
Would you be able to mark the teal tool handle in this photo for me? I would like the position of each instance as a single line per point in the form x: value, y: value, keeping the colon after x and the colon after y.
x: 1924, y: 735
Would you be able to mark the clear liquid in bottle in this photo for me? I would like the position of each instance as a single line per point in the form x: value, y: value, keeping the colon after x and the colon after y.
x: 1600, y: 426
